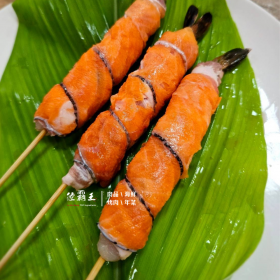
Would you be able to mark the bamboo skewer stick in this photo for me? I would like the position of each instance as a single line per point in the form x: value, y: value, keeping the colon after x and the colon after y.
x: 31, y: 226
x: 22, y: 157
x: 96, y: 269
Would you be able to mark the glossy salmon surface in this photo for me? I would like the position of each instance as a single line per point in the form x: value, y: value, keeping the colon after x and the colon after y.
x: 105, y: 134
x: 188, y: 116
x: 127, y: 218
x: 55, y: 104
x: 134, y: 106
x: 160, y: 172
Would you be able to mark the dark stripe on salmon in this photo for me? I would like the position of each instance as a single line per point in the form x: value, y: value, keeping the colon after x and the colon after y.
x: 72, y: 101
x: 114, y: 242
x: 148, y: 83
x: 139, y: 197
x: 84, y: 164
x: 102, y: 57
x: 46, y: 126
x: 123, y: 127
x: 87, y: 168
x: 165, y: 143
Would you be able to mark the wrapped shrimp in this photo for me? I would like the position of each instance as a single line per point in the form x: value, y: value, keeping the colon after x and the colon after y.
x: 88, y: 86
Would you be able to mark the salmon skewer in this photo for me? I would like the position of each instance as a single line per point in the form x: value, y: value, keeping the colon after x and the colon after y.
x: 145, y: 92
x: 88, y: 86
x: 126, y: 221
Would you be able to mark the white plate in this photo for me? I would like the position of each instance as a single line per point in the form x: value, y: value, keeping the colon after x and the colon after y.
x: 261, y: 32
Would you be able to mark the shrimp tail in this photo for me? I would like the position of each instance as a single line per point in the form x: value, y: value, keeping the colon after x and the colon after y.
x: 191, y: 16
x: 202, y: 25
x: 231, y: 58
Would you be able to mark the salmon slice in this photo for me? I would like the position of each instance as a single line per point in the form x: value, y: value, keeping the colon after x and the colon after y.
x: 121, y: 47
x: 90, y: 84
x: 82, y: 87
x: 56, y: 113
x: 164, y: 68
x: 101, y: 146
x: 146, y: 16
x: 153, y: 173
x: 188, y: 116
x: 185, y: 41
x: 134, y: 106
x: 166, y: 57
x: 126, y: 224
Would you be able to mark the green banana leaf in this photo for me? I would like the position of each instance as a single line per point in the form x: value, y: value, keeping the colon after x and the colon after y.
x: 214, y: 219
